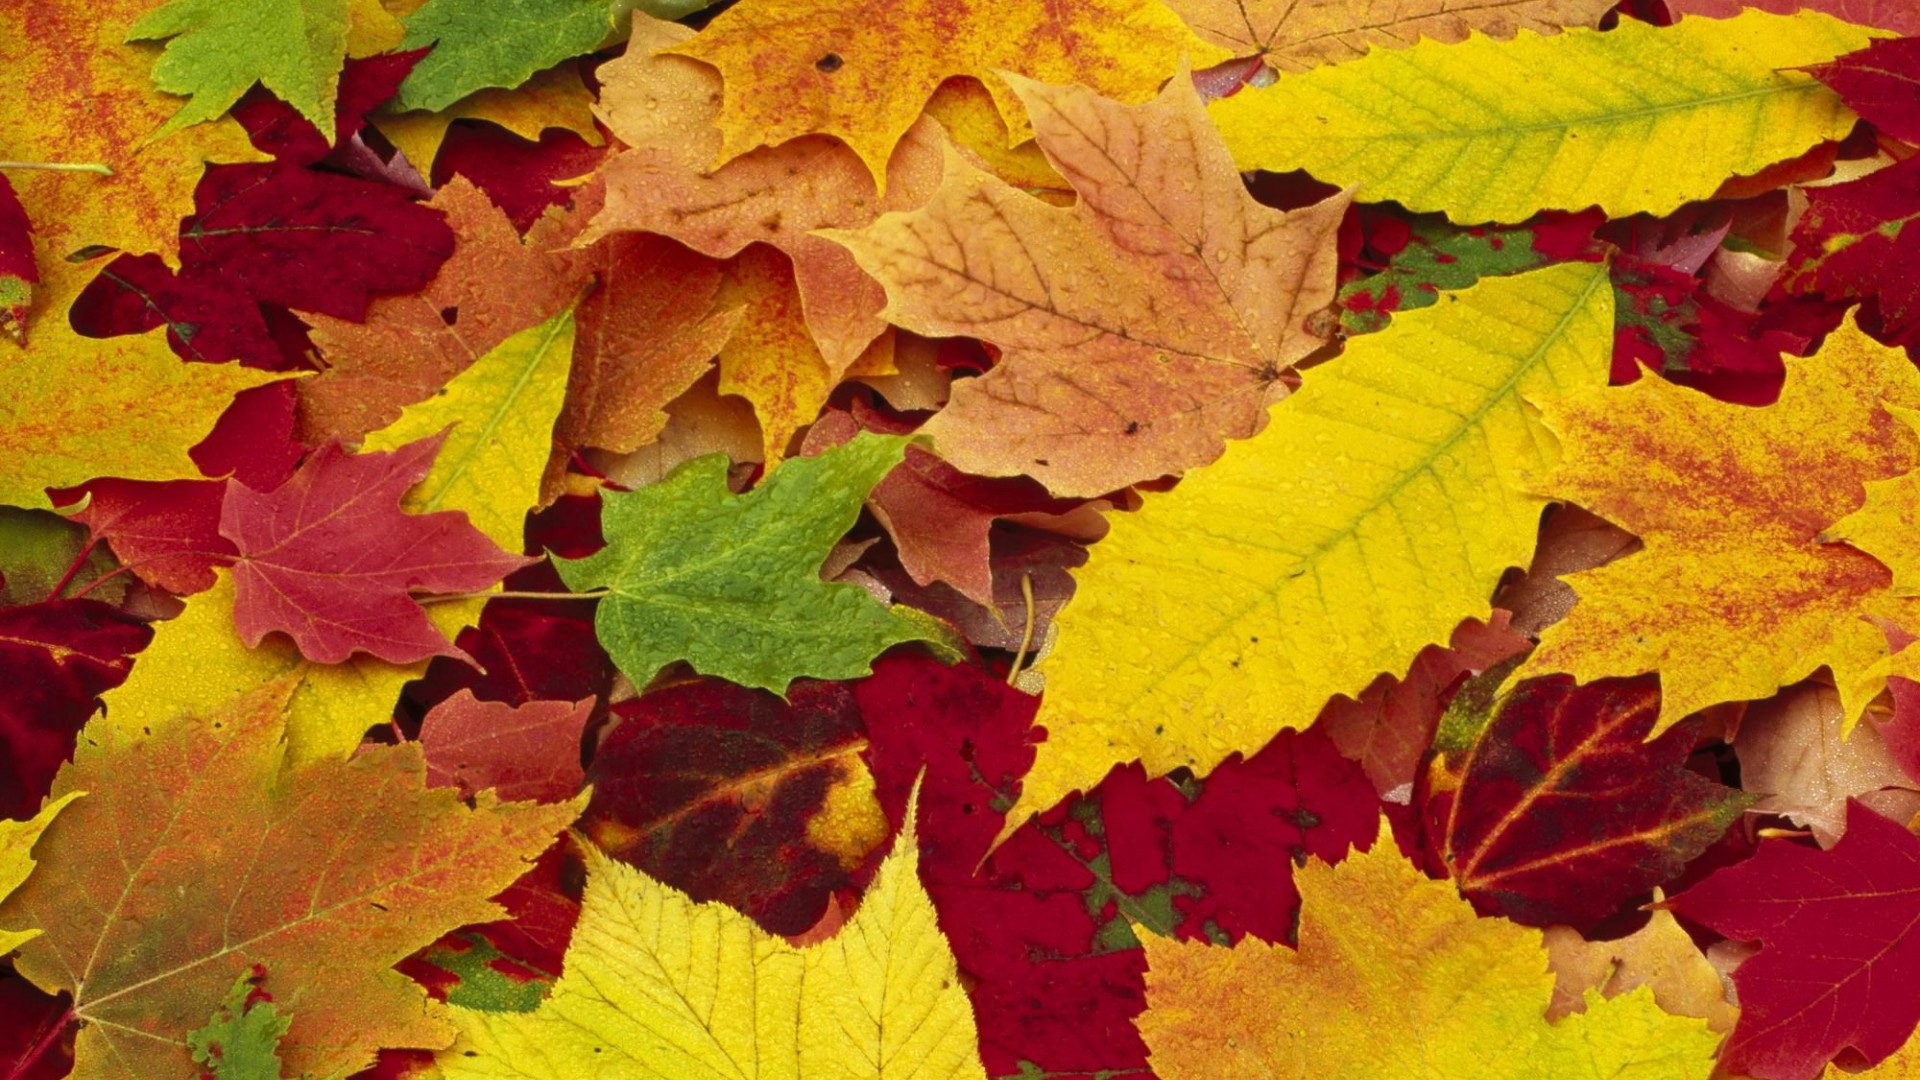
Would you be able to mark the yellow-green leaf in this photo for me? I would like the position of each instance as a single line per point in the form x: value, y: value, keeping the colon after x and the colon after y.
x: 1638, y: 118
x: 1377, y: 510
x: 502, y: 409
x: 16, y: 860
x: 658, y: 987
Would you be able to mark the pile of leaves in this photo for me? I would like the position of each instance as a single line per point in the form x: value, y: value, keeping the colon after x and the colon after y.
x: 1098, y: 539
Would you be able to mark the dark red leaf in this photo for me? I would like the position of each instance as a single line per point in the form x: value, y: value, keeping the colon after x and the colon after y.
x: 253, y: 440
x: 36, y: 1031
x: 1848, y: 237
x: 1880, y: 82
x: 520, y: 176
x: 277, y: 128
x: 207, y: 316
x: 18, y: 273
x: 521, y: 655
x: 55, y: 659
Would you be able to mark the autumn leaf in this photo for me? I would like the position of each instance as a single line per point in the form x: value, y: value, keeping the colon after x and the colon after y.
x: 168, y: 534
x: 1294, y: 37
x: 555, y: 98
x: 497, y: 43
x: 241, y: 1041
x: 1829, y: 926
x: 730, y: 583
x: 649, y: 966
x: 294, y: 48
x: 329, y: 559
x: 197, y: 854
x: 1320, y: 554
x: 523, y: 752
x: 1141, y: 328
x: 1737, y: 592
x: 1395, y: 978
x: 18, y: 274
x: 1794, y: 755
x: 1660, y: 956
x: 1848, y: 234
x: 796, y: 67
x: 1891, y: 15
x: 1445, y: 127
x: 739, y: 797
x: 1560, y: 809
x: 17, y: 839
x: 57, y: 657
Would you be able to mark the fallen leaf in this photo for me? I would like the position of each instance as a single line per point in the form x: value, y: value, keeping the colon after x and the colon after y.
x: 1440, y: 127
x: 1793, y: 754
x: 880, y: 998
x: 1659, y: 955
x: 197, y: 854
x: 1892, y: 15
x: 215, y: 52
x: 483, y: 43
x: 1830, y: 927
x: 1736, y: 593
x: 1141, y: 328
x: 1395, y: 978
x: 798, y: 67
x: 1291, y: 36
x: 523, y: 752
x: 168, y: 534
x: 554, y: 98
x: 18, y: 274
x: 1326, y: 553
x: 329, y: 559
x: 241, y: 1040
x: 1848, y: 235
x: 730, y: 583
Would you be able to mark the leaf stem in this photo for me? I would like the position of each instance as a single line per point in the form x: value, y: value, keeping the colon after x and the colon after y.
x: 59, y: 166
x: 1026, y: 636
x: 41, y: 1045
x: 73, y: 568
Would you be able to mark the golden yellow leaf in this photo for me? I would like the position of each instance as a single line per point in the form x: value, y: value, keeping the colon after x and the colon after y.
x: 493, y: 286
x: 16, y: 860
x: 665, y: 108
x: 1140, y: 328
x: 966, y: 110
x: 657, y: 985
x: 1660, y: 956
x: 1885, y: 525
x: 79, y: 407
x: 75, y: 91
x: 554, y: 98
x: 1396, y: 979
x: 1292, y: 35
x: 837, y: 67
x: 1379, y: 508
x: 1638, y: 118
x: 198, y: 853
x: 1737, y: 591
x: 1903, y: 1065
x: 770, y: 359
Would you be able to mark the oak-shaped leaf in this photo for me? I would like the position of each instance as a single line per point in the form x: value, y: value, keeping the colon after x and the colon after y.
x: 1560, y: 809
x: 199, y: 853
x: 731, y: 583
x: 1834, y: 929
x: 735, y: 795
x: 1396, y: 979
x: 329, y: 558
x: 1140, y: 328
x: 650, y: 971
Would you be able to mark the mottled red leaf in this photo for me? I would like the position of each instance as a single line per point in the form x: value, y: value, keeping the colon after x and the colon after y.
x: 1880, y: 82
x: 1838, y: 954
x: 312, y: 241
x: 329, y: 559
x: 716, y: 789
x: 1560, y: 811
x: 529, y: 751
x: 1848, y: 237
x: 1667, y: 322
x: 18, y: 274
x: 1390, y: 726
x: 55, y: 658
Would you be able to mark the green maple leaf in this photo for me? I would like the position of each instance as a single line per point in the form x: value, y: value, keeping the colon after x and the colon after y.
x: 483, y: 43
x: 731, y: 583
x: 220, y: 49
x: 242, y: 1040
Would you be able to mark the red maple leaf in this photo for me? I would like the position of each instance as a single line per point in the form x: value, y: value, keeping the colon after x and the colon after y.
x: 329, y: 558
x: 1880, y: 82
x: 1838, y: 956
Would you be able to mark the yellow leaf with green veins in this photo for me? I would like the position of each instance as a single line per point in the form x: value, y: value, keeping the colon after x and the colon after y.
x: 1378, y: 509
x: 16, y: 860
x: 1634, y: 119
x: 1396, y: 978
x: 658, y: 987
x: 1740, y: 588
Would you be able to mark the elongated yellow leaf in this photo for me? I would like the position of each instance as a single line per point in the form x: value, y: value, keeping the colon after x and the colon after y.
x: 502, y: 409
x: 658, y: 987
x: 16, y: 860
x: 1377, y: 511
x: 1638, y: 118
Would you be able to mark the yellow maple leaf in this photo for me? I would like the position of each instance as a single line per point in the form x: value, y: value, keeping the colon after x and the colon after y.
x: 1379, y: 509
x: 1294, y: 36
x: 1638, y: 118
x: 665, y: 107
x: 16, y: 859
x: 836, y: 67
x: 554, y: 98
x: 198, y: 854
x: 78, y: 407
x: 1886, y: 523
x: 1396, y: 979
x: 1737, y: 591
x: 658, y: 985
x: 1140, y: 328
x: 77, y: 92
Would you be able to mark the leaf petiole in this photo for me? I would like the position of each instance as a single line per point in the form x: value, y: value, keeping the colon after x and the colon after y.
x: 59, y: 166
